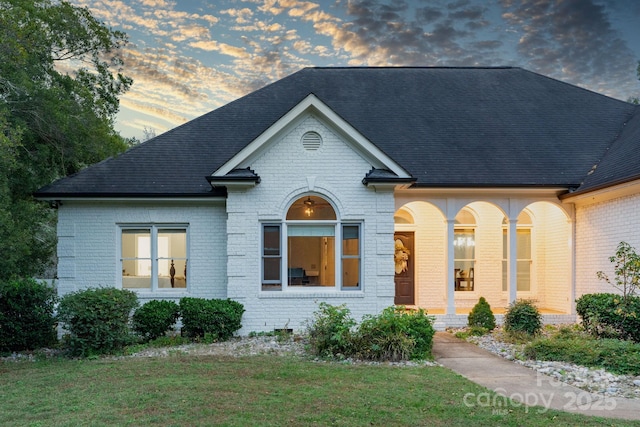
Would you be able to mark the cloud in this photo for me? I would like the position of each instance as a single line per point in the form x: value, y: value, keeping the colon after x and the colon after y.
x: 242, y: 15
x: 186, y: 61
x: 572, y: 40
x: 398, y: 32
x: 212, y: 45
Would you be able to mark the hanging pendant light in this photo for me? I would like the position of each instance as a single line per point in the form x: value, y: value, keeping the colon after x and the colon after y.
x: 309, y: 206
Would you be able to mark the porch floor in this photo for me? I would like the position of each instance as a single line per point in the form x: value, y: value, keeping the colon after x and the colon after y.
x: 496, y: 310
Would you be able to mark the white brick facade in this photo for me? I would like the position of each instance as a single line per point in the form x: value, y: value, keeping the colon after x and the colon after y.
x: 89, y: 236
x: 600, y: 227
x: 287, y: 172
x: 224, y: 236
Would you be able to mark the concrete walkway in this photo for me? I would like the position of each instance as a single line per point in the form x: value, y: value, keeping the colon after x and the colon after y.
x: 522, y: 384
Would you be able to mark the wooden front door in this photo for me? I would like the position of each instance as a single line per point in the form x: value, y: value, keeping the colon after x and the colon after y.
x: 404, y: 267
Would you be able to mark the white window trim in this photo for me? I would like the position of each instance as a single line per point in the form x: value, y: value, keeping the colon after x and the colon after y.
x: 474, y: 227
x: 532, y: 262
x: 339, y: 257
x: 153, y: 228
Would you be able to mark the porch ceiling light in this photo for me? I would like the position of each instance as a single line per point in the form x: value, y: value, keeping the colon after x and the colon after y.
x: 309, y: 204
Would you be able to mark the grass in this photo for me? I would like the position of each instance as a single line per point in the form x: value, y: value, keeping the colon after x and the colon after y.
x: 182, y: 390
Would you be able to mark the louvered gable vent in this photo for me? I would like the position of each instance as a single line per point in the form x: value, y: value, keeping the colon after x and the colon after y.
x: 311, y: 141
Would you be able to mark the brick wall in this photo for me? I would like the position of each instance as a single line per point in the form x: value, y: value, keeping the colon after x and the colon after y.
x: 600, y: 227
x: 288, y: 171
x: 88, y: 252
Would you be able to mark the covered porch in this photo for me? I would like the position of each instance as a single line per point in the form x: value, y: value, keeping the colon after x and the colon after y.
x: 452, y: 251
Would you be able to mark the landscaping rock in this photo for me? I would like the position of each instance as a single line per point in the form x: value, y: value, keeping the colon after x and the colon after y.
x: 589, y: 379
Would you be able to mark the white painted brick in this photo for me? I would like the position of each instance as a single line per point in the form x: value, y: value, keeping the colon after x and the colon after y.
x: 600, y: 227
x: 96, y: 226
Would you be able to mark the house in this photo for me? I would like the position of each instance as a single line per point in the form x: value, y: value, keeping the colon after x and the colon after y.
x: 425, y: 187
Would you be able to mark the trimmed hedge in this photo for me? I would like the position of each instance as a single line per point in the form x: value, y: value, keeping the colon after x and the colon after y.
x: 97, y: 320
x: 26, y: 315
x: 155, y: 318
x: 211, y: 319
x: 609, y: 315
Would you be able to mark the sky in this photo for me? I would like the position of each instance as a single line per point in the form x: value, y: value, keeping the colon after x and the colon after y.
x: 190, y: 57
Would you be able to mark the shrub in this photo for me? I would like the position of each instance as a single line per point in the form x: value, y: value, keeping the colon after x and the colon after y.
x: 375, y: 341
x: 621, y: 357
x: 523, y: 317
x: 330, y: 331
x: 391, y: 336
x: 482, y: 316
x: 97, y: 320
x: 210, y: 319
x: 155, y: 318
x: 610, y: 316
x: 26, y: 315
x: 395, y: 334
x: 419, y: 327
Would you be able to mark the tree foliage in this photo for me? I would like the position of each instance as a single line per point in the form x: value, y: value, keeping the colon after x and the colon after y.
x: 60, y: 83
x: 626, y: 264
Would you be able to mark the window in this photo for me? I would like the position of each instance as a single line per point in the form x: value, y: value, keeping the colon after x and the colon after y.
x: 271, y: 257
x: 154, y: 257
x: 523, y: 253
x: 464, y: 250
x: 317, y: 250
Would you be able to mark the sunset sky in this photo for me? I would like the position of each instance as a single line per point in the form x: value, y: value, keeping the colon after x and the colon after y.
x: 190, y: 57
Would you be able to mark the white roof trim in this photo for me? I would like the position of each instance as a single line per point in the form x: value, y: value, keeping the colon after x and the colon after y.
x: 314, y: 104
x: 161, y: 199
x: 629, y: 188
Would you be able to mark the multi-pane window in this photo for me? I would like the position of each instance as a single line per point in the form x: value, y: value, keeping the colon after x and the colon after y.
x: 154, y: 257
x: 464, y: 250
x: 350, y: 256
x: 311, y: 249
x: 523, y: 253
x: 271, y: 257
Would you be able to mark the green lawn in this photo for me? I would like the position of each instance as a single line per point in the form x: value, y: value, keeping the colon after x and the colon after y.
x: 183, y: 390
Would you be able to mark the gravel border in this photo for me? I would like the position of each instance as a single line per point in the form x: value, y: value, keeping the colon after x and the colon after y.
x: 593, y: 380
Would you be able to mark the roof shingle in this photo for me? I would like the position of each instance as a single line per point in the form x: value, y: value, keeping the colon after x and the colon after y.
x: 448, y: 127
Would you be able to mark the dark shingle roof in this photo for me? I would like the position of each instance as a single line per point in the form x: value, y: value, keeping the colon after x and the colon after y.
x: 453, y: 127
x: 621, y: 162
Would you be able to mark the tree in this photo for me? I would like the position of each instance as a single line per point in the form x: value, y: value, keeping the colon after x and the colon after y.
x: 626, y: 263
x: 60, y: 82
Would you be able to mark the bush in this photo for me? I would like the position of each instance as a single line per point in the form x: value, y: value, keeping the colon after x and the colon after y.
x: 26, y: 315
x: 419, y: 327
x: 155, y: 318
x: 482, y: 316
x: 523, y: 317
x: 373, y: 341
x: 330, y: 331
x: 395, y: 334
x: 621, y: 357
x: 210, y: 319
x: 610, y: 316
x: 97, y: 320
